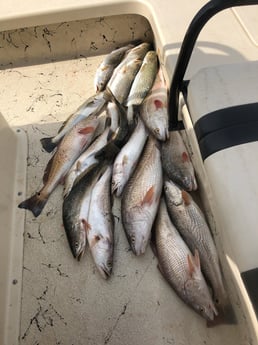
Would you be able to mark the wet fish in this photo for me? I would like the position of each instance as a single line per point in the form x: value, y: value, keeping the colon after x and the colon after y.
x: 143, y: 82
x: 191, y: 223
x: 100, y: 225
x: 122, y: 78
x: 107, y: 66
x: 92, y: 106
x: 154, y: 109
x: 144, y: 79
x: 177, y: 163
x: 126, y: 160
x: 113, y: 113
x: 124, y: 74
x: 71, y: 146
x: 75, y: 212
x: 84, y: 161
x: 141, y: 196
x: 179, y: 267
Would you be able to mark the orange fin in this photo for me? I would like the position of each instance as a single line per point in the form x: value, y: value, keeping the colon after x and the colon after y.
x: 186, y: 197
x: 190, y: 265
x: 185, y: 157
x: 197, y: 258
x: 86, y: 130
x: 148, y: 198
x: 86, y: 225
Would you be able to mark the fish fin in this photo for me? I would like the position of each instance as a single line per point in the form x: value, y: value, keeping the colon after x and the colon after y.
x: 86, y: 225
x: 48, y: 169
x: 191, y: 265
x: 48, y: 144
x: 186, y: 198
x: 86, y: 130
x: 35, y: 204
x: 185, y: 157
x: 125, y: 160
x: 94, y: 241
x: 197, y: 259
x: 148, y: 198
x: 78, y: 166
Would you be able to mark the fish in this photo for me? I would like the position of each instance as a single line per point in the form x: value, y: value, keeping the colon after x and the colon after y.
x: 179, y: 267
x: 122, y: 78
x: 124, y: 74
x: 94, y: 105
x: 191, y: 224
x: 107, y: 66
x: 142, y: 83
x: 100, y: 224
x: 84, y: 161
x: 69, y: 149
x: 115, y: 141
x: 176, y: 162
x: 113, y: 113
x: 127, y: 158
x: 154, y: 109
x: 75, y: 211
x: 140, y: 198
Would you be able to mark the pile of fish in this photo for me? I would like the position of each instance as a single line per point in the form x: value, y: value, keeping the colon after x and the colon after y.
x: 117, y: 144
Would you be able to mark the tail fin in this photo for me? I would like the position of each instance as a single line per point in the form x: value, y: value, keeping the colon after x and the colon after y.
x: 47, y: 144
x: 35, y: 204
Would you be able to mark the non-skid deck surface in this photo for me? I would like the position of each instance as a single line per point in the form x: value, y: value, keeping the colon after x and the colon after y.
x: 64, y: 301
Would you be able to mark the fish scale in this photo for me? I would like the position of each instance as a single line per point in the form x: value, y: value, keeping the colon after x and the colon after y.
x: 173, y: 256
x: 141, y: 198
x: 190, y: 222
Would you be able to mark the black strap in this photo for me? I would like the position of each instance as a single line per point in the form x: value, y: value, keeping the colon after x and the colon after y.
x: 250, y: 279
x: 227, y: 127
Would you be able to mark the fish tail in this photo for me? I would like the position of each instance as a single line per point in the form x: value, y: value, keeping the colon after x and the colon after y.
x: 47, y: 144
x: 35, y: 204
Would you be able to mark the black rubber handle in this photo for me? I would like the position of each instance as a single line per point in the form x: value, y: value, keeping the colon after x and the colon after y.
x: 192, y: 33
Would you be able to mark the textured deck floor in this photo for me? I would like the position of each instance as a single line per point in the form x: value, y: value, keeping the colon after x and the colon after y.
x: 64, y: 301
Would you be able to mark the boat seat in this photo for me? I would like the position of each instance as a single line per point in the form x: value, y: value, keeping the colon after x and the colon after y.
x: 223, y: 105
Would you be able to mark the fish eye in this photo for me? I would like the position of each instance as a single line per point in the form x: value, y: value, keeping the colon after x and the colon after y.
x: 156, y: 130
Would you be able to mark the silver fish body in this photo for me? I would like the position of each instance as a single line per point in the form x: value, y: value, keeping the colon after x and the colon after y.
x: 141, y: 196
x: 122, y: 78
x: 92, y: 106
x: 100, y: 224
x: 143, y: 80
x: 154, y: 111
x: 191, y: 223
x: 69, y: 149
x: 75, y: 212
x: 107, y: 66
x: 179, y: 267
x: 176, y: 162
x: 126, y: 160
x: 84, y: 161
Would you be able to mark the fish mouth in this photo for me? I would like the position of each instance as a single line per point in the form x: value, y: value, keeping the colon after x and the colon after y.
x: 105, y: 271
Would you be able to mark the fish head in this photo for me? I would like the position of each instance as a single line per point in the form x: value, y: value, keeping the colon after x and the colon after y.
x: 77, y: 240
x: 188, y: 182
x: 197, y: 291
x: 102, y: 251
x: 199, y: 295
x: 173, y: 192
x: 138, y: 237
x: 160, y: 123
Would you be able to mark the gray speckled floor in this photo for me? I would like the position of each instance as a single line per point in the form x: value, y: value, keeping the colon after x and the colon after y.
x: 47, y: 73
